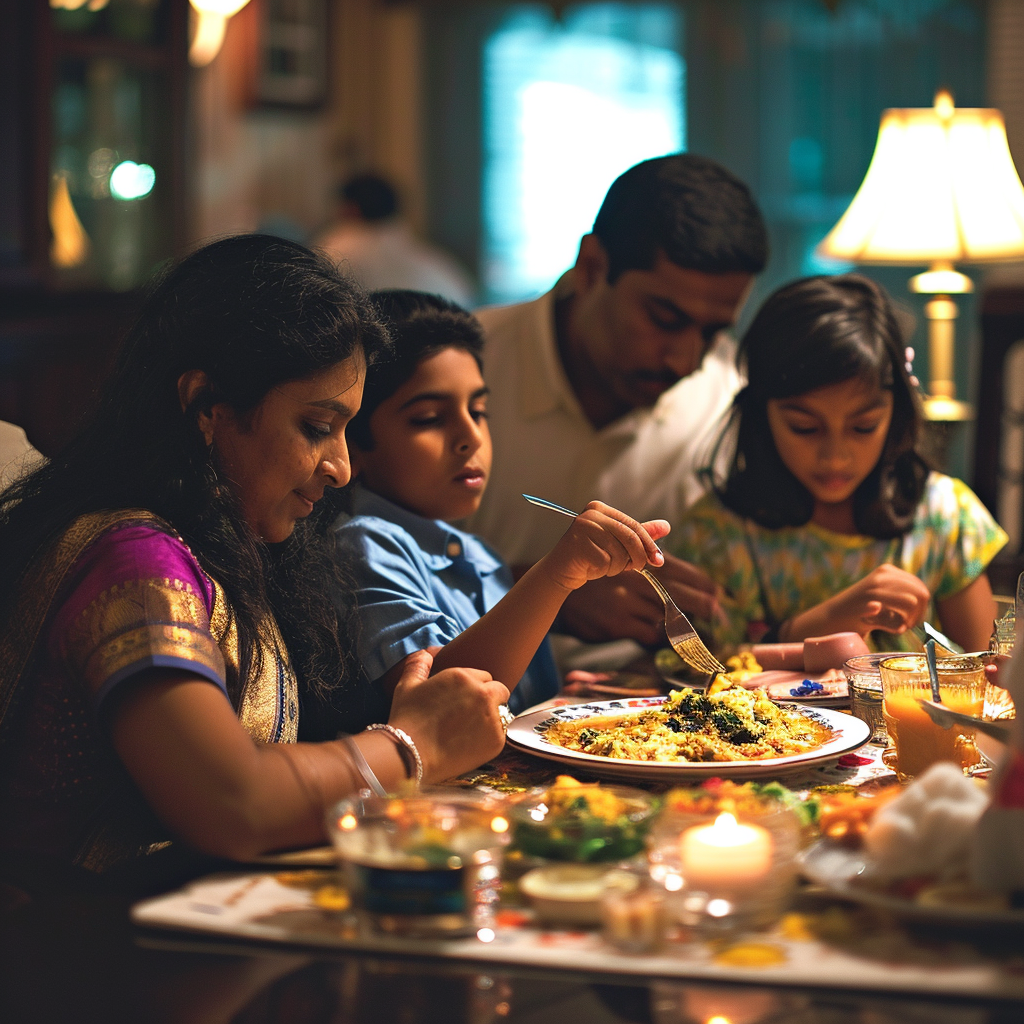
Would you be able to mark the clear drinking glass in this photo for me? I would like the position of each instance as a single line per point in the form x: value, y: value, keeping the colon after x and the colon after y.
x: 917, y: 741
x: 865, y: 682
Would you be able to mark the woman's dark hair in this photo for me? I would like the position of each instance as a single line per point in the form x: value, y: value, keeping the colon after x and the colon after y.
x: 701, y: 216
x: 420, y: 325
x: 809, y: 334
x: 252, y: 312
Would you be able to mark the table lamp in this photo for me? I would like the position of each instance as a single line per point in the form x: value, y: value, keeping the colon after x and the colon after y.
x: 941, y: 189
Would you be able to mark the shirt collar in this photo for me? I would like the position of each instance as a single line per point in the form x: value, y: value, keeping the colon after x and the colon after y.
x: 439, y: 542
x: 544, y: 386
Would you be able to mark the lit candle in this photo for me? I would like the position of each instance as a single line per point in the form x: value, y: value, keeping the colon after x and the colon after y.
x: 725, y: 853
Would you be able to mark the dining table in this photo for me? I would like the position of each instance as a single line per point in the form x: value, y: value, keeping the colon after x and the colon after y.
x: 92, y: 955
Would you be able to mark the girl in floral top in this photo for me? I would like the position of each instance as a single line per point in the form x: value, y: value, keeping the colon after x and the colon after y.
x: 823, y: 515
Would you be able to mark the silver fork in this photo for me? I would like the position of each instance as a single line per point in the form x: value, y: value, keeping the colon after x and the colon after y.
x: 681, y: 635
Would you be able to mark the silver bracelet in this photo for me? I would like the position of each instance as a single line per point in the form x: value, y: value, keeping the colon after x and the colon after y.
x: 362, y: 767
x: 406, y: 741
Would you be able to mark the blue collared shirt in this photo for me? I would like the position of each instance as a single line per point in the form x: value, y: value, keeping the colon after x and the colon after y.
x: 421, y: 582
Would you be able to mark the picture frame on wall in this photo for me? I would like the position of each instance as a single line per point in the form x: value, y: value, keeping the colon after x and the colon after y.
x: 291, y: 67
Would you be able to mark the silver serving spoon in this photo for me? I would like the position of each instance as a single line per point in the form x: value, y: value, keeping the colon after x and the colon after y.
x: 946, y: 718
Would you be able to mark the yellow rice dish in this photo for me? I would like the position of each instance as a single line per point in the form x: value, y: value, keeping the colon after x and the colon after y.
x: 732, y: 725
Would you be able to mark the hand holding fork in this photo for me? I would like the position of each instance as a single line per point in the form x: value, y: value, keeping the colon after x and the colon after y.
x: 681, y: 635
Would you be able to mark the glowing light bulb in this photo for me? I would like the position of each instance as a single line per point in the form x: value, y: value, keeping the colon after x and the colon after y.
x: 211, y: 21
x: 129, y: 180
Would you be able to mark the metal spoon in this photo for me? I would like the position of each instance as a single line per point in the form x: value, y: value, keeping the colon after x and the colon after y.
x: 933, y: 671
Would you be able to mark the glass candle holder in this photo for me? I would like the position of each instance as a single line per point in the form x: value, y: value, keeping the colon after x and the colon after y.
x: 425, y: 865
x: 918, y: 742
x: 633, y: 912
x: 1004, y: 632
x: 865, y: 682
x: 733, y: 868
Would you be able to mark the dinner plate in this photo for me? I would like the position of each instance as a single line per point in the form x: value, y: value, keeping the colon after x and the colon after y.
x: 529, y: 729
x: 779, y: 683
x: 836, y: 868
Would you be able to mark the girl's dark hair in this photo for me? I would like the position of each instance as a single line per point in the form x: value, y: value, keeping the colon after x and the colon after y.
x: 809, y: 334
x: 420, y: 325
x: 252, y: 312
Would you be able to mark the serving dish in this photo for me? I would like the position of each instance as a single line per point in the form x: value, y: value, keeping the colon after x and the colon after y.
x: 838, y: 868
x: 581, y: 823
x: 528, y: 731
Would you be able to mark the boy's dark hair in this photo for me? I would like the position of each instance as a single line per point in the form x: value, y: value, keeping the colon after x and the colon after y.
x: 809, y: 334
x: 689, y: 207
x: 373, y: 196
x: 420, y: 325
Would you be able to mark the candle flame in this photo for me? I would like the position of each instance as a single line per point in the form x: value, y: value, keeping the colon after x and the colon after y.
x: 725, y: 822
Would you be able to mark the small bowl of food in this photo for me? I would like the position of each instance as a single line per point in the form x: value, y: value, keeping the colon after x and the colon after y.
x: 567, y: 895
x: 582, y: 823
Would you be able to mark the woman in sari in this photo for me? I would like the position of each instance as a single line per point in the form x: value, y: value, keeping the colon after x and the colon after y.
x: 165, y: 583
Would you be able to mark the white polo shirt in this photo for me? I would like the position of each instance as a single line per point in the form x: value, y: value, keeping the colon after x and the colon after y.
x: 643, y: 463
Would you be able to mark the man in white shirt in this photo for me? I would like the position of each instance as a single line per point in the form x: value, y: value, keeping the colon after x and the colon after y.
x: 614, y: 384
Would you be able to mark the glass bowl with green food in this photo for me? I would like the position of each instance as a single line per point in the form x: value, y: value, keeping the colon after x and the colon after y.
x: 582, y: 823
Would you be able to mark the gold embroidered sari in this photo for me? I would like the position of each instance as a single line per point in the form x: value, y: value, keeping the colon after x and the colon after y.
x: 118, y: 593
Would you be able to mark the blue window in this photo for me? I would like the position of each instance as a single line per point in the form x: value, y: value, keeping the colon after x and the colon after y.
x: 569, y: 105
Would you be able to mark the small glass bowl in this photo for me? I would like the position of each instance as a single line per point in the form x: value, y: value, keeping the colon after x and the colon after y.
x: 428, y: 864
x: 582, y: 824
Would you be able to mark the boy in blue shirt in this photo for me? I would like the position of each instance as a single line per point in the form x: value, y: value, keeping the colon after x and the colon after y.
x: 421, y: 455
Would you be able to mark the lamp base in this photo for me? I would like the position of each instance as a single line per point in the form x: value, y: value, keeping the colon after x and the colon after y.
x: 939, y: 409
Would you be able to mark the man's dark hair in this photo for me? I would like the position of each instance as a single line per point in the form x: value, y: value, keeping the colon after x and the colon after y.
x: 373, y: 196
x: 812, y: 333
x: 701, y: 216
x: 420, y: 325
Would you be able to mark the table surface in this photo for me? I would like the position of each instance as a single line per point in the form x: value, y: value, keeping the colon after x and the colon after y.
x: 77, y: 957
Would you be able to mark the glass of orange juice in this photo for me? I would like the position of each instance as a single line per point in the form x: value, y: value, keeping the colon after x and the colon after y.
x: 918, y: 742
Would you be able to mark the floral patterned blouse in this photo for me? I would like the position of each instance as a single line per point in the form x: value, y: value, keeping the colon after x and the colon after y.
x: 771, y: 575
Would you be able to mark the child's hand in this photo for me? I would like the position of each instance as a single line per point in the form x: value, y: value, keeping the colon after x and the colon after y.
x: 889, y: 598
x: 602, y: 541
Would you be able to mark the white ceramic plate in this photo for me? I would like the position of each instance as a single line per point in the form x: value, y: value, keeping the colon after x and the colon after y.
x: 528, y: 733
x: 779, y: 682
x: 836, y: 869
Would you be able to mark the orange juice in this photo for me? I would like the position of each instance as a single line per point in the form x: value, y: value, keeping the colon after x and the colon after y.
x: 918, y: 741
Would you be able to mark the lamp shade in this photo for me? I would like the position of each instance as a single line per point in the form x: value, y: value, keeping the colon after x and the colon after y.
x: 941, y: 187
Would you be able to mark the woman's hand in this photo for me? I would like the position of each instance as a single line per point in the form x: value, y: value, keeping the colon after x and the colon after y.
x: 602, y: 541
x: 452, y: 716
x: 888, y: 598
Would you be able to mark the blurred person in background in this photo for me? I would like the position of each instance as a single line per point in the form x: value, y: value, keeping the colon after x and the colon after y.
x: 610, y: 385
x: 379, y: 249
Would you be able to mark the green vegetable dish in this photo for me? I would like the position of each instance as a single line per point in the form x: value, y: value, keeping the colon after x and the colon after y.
x: 583, y: 823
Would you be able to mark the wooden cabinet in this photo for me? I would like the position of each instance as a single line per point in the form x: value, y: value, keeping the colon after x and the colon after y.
x: 92, y: 190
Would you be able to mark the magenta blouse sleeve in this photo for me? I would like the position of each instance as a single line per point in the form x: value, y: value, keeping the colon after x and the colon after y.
x: 137, y: 600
